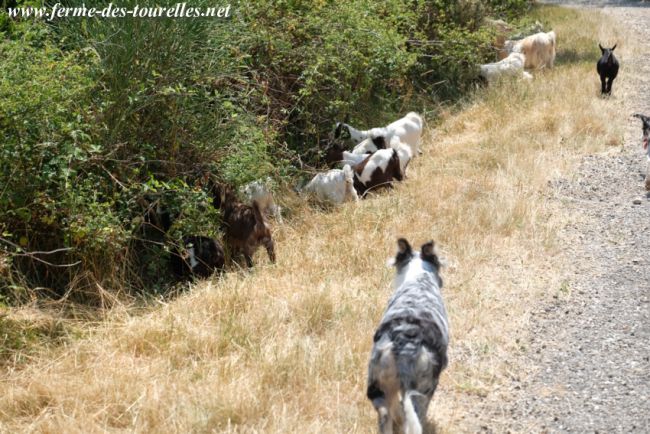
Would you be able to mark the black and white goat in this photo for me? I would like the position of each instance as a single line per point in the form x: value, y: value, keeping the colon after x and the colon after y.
x: 607, y: 68
x: 646, y: 148
x: 378, y: 169
x: 410, y: 344
x: 197, y: 256
x: 335, y: 154
x: 408, y: 129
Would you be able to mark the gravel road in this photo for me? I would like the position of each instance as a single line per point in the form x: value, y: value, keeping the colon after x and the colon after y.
x: 590, y: 350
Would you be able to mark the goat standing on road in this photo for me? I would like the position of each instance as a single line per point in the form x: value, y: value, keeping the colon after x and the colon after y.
x: 607, y: 68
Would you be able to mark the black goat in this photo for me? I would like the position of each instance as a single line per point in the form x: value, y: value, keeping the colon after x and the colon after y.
x: 607, y: 68
x: 197, y: 256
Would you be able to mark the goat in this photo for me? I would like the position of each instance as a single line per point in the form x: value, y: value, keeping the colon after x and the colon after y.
x: 244, y: 226
x: 538, y: 49
x: 260, y: 191
x: 408, y: 129
x: 511, y: 65
x: 197, y: 256
x: 336, y: 154
x: 404, y: 153
x: 646, y: 138
x: 157, y: 219
x: 378, y: 169
x: 370, y: 145
x: 334, y: 186
x: 607, y: 68
x: 410, y: 344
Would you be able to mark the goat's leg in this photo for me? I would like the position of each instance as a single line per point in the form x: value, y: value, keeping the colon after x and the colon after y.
x: 603, y: 86
x: 249, y: 260
x: 610, y: 80
x: 270, y: 248
x: 647, y: 175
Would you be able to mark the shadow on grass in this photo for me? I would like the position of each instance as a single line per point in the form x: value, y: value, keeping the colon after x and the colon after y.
x: 573, y: 57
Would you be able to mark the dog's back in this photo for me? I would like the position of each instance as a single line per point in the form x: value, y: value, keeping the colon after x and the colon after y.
x: 410, y: 348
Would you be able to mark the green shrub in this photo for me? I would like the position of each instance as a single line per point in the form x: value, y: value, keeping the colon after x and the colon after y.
x: 100, y: 117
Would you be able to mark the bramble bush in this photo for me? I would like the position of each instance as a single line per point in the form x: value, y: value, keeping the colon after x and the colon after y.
x: 98, y: 117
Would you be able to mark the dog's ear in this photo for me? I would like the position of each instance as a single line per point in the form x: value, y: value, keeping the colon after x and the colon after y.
x: 428, y: 254
x: 404, y: 254
x: 614, y: 47
x: 643, y: 118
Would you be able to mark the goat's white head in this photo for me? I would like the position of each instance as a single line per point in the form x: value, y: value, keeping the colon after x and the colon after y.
x: 411, y: 264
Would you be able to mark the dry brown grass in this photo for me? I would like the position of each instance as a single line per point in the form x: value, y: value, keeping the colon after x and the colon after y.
x: 285, y: 348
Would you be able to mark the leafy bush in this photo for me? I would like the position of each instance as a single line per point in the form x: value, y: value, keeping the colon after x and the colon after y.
x: 100, y: 117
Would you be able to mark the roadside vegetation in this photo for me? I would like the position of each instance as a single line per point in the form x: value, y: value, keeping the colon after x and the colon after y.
x: 284, y: 348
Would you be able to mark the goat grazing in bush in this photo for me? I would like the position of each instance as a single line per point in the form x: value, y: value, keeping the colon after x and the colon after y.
x: 334, y: 186
x: 408, y: 129
x: 538, y: 50
x: 260, y: 191
x: 197, y: 256
x: 410, y: 344
x: 244, y: 226
x: 370, y: 145
x: 378, y: 169
x: 646, y: 148
x: 511, y: 65
x: 336, y: 154
x: 607, y: 68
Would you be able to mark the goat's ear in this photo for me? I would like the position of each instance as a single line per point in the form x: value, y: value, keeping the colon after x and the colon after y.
x: 643, y: 118
x: 614, y: 47
x: 337, y: 130
x: 601, y: 48
x: 428, y: 254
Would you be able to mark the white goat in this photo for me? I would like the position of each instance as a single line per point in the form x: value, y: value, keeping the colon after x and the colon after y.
x: 370, y: 145
x: 538, y: 49
x: 410, y: 344
x: 353, y: 159
x: 511, y: 65
x: 334, y: 186
x: 408, y: 129
x: 260, y: 191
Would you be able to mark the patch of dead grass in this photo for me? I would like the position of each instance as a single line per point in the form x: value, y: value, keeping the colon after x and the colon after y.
x: 285, y: 348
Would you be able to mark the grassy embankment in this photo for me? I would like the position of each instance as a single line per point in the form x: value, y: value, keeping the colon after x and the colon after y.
x: 284, y: 349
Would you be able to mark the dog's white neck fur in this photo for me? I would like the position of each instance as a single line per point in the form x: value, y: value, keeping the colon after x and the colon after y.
x: 414, y: 270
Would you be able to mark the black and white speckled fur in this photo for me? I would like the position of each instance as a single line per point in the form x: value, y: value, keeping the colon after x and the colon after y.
x: 410, y: 344
x: 646, y: 148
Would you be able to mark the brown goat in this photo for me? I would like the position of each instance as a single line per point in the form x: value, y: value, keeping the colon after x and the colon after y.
x: 245, y: 227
